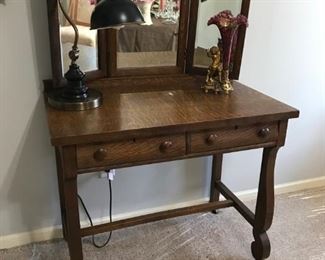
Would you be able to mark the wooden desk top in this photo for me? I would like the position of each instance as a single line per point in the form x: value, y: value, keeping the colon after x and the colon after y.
x: 145, y: 107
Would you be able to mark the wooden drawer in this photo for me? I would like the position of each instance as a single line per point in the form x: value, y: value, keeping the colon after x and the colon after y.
x: 233, y: 137
x: 135, y: 150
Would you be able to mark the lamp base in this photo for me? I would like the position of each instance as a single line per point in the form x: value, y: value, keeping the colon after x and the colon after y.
x: 57, y: 100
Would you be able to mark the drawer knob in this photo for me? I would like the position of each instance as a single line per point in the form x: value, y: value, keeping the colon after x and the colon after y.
x: 165, y: 146
x: 265, y: 132
x: 212, y: 139
x: 100, y: 154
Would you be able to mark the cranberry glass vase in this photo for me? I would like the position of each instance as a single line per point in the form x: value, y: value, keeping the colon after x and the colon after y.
x: 228, y: 26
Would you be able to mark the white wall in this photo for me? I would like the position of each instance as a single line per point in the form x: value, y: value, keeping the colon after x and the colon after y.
x: 282, y: 58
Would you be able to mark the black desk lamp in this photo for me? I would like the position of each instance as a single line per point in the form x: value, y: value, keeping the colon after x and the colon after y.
x: 75, y: 95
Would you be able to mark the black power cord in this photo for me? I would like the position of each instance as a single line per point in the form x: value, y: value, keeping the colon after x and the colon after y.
x: 110, y: 215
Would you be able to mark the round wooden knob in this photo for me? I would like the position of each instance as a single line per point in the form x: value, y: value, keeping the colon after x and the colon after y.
x: 165, y: 146
x: 265, y: 132
x: 100, y: 154
x: 212, y: 139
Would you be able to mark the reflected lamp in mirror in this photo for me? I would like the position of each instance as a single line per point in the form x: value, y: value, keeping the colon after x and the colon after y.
x: 112, y: 13
x: 75, y: 95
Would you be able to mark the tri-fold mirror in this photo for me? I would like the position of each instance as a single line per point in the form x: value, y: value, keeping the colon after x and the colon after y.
x: 173, y: 39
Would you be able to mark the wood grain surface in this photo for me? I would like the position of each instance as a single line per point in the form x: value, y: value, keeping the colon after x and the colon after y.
x: 151, y: 106
x: 147, y: 120
x: 232, y: 137
x: 128, y: 151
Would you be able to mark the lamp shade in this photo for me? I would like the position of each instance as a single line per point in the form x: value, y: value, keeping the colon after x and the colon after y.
x: 112, y: 13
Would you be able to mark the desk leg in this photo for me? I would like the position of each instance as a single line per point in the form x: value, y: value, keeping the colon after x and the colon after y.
x: 61, y: 192
x: 69, y: 189
x: 215, y: 177
x: 261, y: 247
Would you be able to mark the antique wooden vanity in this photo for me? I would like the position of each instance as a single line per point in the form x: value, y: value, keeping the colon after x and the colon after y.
x: 159, y: 113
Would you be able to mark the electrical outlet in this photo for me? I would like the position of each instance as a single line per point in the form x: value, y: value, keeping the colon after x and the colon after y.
x: 111, y: 174
x: 103, y: 174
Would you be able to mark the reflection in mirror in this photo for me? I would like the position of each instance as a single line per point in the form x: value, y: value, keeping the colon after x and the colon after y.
x: 207, y: 36
x: 80, y: 13
x: 153, y: 43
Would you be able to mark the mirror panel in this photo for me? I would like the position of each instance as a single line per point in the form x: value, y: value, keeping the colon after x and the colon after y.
x: 154, y: 43
x: 104, y: 54
x: 80, y: 12
x: 207, y: 36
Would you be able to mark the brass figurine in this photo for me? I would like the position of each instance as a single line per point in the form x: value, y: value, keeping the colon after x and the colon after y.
x: 217, y: 79
x: 214, y: 76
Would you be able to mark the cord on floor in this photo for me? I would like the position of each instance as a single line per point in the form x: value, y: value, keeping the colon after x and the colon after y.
x: 110, y: 216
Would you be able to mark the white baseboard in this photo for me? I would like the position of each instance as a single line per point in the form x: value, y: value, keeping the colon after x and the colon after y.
x: 285, y: 188
x: 54, y: 232
x: 24, y: 238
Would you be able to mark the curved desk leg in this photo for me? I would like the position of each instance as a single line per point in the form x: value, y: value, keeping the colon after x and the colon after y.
x: 215, y: 177
x: 261, y: 247
x: 69, y: 190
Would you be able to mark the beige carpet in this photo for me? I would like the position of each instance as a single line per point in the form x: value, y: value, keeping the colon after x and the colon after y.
x: 298, y: 232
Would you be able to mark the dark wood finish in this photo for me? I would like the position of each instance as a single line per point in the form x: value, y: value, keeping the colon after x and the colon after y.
x: 215, y: 177
x: 60, y: 174
x: 156, y: 71
x: 99, y: 155
x: 54, y: 33
x: 265, y: 132
x: 261, y: 247
x: 134, y: 150
x: 182, y: 35
x: 194, y: 12
x: 190, y: 67
x: 240, y: 206
x: 163, y: 117
x: 282, y: 132
x: 233, y: 137
x: 148, y: 120
x: 165, y: 146
x: 111, y: 38
x: 177, y: 108
x: 240, y: 42
x: 69, y: 190
x: 169, y: 159
x: 144, y: 151
x: 101, y: 72
x: 155, y: 217
x: 211, y: 139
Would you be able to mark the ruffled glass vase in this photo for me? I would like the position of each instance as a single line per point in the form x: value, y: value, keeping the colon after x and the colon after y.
x: 228, y: 26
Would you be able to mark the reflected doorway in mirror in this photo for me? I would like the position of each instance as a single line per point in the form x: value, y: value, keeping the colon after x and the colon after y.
x: 145, y: 8
x: 79, y: 11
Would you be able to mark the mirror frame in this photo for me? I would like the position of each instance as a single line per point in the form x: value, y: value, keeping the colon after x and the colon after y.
x: 178, y: 68
x: 107, y: 46
x: 190, y: 67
